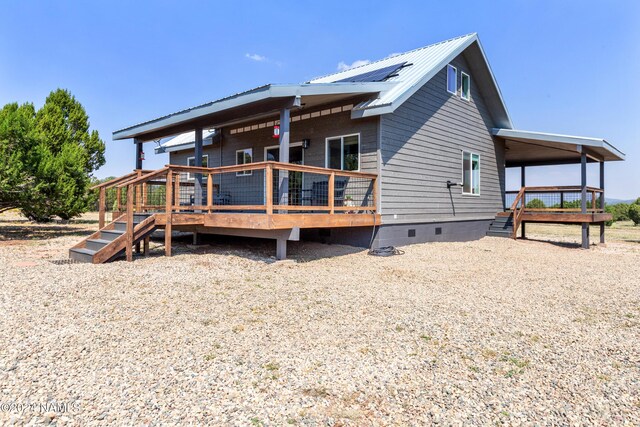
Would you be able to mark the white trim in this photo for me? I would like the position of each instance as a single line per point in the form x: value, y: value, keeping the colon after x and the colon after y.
x: 244, y: 173
x: 190, y: 176
x: 293, y: 144
x: 455, y: 70
x: 342, y: 137
x: 462, y: 76
x: 471, y: 154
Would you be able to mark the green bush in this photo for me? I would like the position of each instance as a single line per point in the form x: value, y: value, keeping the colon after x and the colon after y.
x: 634, y: 213
x: 536, y: 204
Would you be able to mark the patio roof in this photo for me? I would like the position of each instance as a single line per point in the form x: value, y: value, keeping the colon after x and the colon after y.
x: 256, y: 103
x: 527, y: 148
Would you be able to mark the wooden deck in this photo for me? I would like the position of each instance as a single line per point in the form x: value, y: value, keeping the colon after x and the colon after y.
x: 558, y: 205
x: 263, y: 199
x: 561, y: 217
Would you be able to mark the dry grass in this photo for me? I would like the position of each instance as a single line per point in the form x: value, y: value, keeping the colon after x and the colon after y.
x: 487, y: 332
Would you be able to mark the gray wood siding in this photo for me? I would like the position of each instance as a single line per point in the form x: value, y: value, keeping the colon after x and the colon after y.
x: 250, y: 189
x: 316, y: 129
x: 421, y: 148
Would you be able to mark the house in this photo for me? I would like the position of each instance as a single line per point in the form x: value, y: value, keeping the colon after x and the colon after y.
x: 411, y: 148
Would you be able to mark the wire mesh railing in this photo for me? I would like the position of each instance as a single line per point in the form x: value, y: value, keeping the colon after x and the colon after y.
x: 556, y: 199
x: 265, y: 187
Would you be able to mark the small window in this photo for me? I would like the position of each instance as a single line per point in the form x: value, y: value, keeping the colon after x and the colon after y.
x: 470, y: 173
x: 465, y: 88
x: 191, y: 161
x: 343, y: 153
x: 452, y: 79
x: 242, y: 158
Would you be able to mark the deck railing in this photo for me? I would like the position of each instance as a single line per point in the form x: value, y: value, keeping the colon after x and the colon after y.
x: 111, y: 199
x: 555, y: 199
x: 264, y: 187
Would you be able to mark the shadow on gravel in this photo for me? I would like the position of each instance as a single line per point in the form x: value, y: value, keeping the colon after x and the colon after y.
x: 251, y: 248
x: 568, y: 245
x: 31, y: 231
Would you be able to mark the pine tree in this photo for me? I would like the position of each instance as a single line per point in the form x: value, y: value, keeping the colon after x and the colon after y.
x: 47, y: 157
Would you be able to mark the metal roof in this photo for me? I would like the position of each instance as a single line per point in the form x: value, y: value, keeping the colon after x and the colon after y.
x: 256, y: 95
x: 421, y: 65
x: 185, y: 141
x: 527, y: 147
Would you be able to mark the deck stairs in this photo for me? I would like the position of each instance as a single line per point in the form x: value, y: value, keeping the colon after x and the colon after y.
x: 502, y: 226
x: 109, y: 243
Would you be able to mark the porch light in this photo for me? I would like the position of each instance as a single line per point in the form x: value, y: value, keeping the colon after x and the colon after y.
x: 141, y: 155
x: 306, y: 143
x: 276, y: 131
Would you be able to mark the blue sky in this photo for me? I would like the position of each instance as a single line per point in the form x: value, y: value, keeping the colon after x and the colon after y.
x: 566, y: 67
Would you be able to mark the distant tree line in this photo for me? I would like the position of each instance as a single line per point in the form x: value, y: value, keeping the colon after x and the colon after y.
x: 620, y: 211
x: 47, y: 158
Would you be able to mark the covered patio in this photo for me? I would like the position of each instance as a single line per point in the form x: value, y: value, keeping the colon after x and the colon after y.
x: 576, y: 204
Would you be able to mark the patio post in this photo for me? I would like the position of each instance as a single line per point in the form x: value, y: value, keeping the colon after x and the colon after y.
x: 583, y: 175
x: 138, y: 153
x: 283, y: 184
x: 197, y: 184
x: 523, y: 184
x: 602, y: 202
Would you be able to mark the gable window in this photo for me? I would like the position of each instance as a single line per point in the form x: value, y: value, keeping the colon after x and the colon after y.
x: 452, y: 79
x: 191, y: 161
x: 465, y: 86
x: 244, y: 157
x: 343, y: 152
x: 470, y: 173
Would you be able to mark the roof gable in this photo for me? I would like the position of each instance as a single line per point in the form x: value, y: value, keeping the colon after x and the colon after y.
x: 420, y: 66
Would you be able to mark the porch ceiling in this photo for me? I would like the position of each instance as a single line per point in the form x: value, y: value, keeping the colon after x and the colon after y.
x: 264, y: 101
x: 525, y: 148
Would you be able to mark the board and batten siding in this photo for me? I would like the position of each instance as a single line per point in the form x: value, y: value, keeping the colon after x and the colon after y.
x: 421, y: 148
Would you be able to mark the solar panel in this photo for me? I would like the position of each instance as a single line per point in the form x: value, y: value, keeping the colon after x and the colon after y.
x: 376, y: 75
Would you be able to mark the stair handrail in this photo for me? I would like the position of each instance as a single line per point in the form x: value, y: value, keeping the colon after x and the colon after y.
x: 115, y: 182
x: 517, y: 212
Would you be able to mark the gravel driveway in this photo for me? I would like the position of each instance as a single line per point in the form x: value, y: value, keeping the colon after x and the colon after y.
x: 486, y: 332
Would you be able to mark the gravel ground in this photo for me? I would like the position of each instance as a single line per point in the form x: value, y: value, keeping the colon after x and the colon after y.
x: 486, y: 332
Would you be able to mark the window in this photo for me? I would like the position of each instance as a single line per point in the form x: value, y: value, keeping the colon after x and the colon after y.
x: 465, y: 87
x: 191, y: 161
x: 242, y: 158
x: 343, y: 152
x: 470, y: 173
x: 452, y: 79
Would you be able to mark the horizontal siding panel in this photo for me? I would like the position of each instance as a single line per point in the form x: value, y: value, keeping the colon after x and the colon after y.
x: 421, y: 144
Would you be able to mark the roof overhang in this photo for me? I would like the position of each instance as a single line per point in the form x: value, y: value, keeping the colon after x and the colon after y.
x: 526, y: 148
x: 255, y: 103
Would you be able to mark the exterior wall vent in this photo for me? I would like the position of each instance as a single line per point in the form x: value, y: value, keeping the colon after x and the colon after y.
x: 438, y: 231
x: 412, y: 232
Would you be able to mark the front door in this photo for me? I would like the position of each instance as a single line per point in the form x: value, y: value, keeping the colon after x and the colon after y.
x: 296, y: 157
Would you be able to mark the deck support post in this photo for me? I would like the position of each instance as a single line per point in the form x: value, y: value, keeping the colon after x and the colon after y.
x: 129, y: 232
x: 168, y: 203
x: 283, y: 175
x: 523, y: 183
x: 197, y: 196
x: 602, y: 201
x: 281, y: 248
x: 102, y: 208
x: 146, y: 246
x: 583, y: 199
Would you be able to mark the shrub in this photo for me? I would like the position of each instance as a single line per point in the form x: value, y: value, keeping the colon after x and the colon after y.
x: 634, y: 213
x: 536, y: 204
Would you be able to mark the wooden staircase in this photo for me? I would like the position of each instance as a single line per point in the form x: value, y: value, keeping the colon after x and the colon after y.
x: 110, y: 242
x: 502, y: 226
